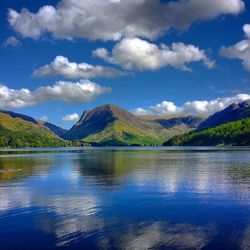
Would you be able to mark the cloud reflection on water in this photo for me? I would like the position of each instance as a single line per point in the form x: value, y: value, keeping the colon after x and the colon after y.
x: 174, y: 236
x: 75, y: 204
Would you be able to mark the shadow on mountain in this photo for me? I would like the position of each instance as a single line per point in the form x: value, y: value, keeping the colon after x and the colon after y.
x: 191, y: 122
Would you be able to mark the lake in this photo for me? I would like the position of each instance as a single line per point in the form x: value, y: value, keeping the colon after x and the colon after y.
x: 125, y: 198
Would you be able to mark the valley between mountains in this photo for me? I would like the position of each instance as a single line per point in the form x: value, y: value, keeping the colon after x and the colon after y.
x: 110, y: 125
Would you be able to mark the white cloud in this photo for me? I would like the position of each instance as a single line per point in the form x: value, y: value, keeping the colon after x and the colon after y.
x: 61, y: 66
x: 71, y: 118
x: 246, y: 29
x: 192, y: 107
x: 70, y: 92
x: 165, y: 107
x: 141, y: 111
x: 102, y: 53
x: 11, y: 42
x: 43, y: 118
x: 111, y: 20
x: 135, y: 53
x: 240, y: 50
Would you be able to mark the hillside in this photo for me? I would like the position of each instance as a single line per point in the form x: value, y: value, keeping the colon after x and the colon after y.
x: 234, y: 112
x: 112, y: 125
x: 234, y: 133
x: 171, y: 121
x: 20, y: 133
x: 53, y: 128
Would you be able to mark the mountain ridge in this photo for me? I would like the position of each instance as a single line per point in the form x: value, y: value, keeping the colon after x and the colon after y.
x: 233, y: 112
x: 52, y: 127
x: 16, y: 132
x: 110, y: 123
x: 230, y: 126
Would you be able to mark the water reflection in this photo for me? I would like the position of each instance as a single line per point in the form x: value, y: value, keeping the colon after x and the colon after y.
x: 107, y: 168
x: 14, y: 168
x: 14, y: 197
x: 245, y: 240
x: 158, y: 235
x: 74, y: 218
x: 202, y: 173
x: 126, y: 200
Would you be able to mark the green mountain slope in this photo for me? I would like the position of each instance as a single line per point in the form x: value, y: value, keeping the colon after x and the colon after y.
x: 118, y: 133
x: 19, y: 133
x: 234, y: 112
x: 234, y: 133
x: 168, y: 126
x: 53, y: 128
x: 112, y: 125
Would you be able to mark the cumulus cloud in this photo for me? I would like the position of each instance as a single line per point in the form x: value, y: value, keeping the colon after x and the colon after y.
x: 240, y: 50
x: 11, y: 42
x: 70, y: 92
x: 135, y: 53
x: 192, y: 107
x: 246, y: 29
x: 71, y: 118
x: 102, y: 53
x: 61, y: 66
x: 111, y: 20
x: 43, y: 118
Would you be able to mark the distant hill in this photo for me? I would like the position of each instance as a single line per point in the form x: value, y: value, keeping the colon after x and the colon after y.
x: 232, y: 113
x: 112, y: 125
x: 16, y: 132
x: 230, y: 126
x: 172, y: 121
x: 232, y: 134
x: 55, y: 129
x: 18, y: 115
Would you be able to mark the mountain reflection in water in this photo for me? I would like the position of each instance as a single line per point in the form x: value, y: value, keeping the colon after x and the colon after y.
x: 125, y: 199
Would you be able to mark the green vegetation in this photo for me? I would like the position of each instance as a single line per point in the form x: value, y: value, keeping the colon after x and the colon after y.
x: 234, y: 133
x: 119, y: 133
x: 234, y: 112
x: 18, y: 133
x: 110, y: 125
x: 107, y: 125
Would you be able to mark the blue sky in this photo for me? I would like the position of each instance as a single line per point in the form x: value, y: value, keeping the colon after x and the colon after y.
x: 199, y: 60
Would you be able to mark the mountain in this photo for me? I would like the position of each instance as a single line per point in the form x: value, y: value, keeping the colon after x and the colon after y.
x: 17, y: 132
x: 173, y: 121
x: 112, y: 125
x: 232, y: 134
x: 17, y: 115
x: 107, y: 125
x: 230, y: 126
x: 232, y: 113
x: 53, y: 128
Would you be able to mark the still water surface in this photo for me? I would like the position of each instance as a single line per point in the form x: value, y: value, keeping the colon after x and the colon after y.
x: 125, y: 199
